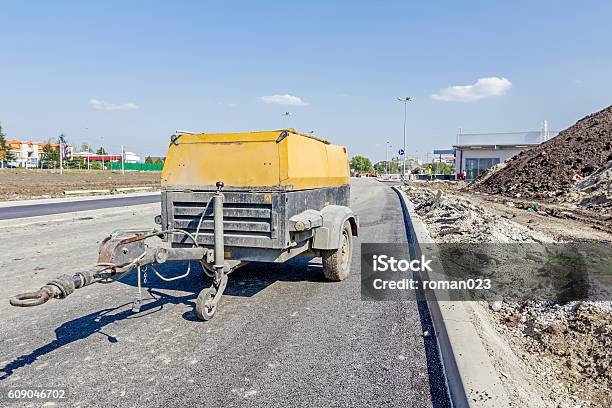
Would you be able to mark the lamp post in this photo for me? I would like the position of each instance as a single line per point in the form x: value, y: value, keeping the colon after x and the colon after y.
x: 62, y: 144
x: 405, y: 100
x: 102, y: 149
x: 387, y: 146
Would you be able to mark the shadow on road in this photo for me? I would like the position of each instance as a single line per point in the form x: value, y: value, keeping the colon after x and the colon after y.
x: 244, y: 282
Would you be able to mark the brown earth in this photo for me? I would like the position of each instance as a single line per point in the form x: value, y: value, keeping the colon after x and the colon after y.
x: 551, y: 169
x: 17, y: 184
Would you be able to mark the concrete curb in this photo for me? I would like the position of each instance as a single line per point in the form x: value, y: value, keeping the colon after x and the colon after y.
x: 471, y: 378
x: 85, y: 192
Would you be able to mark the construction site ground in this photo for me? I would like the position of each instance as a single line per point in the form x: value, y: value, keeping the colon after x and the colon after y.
x: 19, y: 184
x: 563, y: 221
x: 547, y: 354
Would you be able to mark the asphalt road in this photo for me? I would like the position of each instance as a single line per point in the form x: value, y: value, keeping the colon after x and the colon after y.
x: 283, y: 336
x: 60, y: 207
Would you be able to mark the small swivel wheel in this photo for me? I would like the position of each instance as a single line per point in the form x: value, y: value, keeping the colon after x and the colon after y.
x: 205, y: 305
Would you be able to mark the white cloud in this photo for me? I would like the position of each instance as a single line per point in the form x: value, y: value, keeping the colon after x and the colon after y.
x: 283, y: 100
x: 483, y: 88
x: 104, y: 105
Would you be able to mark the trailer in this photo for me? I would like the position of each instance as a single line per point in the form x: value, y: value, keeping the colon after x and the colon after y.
x: 229, y: 199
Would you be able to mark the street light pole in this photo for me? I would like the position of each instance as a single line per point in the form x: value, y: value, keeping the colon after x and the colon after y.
x: 387, y: 157
x: 405, y: 100
x: 61, y: 153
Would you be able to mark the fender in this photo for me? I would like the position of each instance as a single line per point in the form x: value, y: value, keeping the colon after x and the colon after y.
x: 327, y: 236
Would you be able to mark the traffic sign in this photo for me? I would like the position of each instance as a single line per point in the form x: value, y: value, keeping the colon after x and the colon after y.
x: 400, y: 152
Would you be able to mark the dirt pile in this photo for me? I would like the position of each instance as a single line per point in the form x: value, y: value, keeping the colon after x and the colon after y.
x: 551, y: 169
x: 487, y: 174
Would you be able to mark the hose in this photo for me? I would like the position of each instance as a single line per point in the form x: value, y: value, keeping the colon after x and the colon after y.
x: 162, y: 277
x: 200, y: 222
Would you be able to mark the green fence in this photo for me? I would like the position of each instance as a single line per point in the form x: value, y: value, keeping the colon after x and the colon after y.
x: 137, y: 166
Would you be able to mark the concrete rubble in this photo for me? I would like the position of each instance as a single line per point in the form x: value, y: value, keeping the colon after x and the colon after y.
x: 596, y: 190
x: 549, y: 353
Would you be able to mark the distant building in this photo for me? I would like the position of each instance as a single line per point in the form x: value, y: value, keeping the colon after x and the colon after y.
x: 88, y: 156
x: 131, y: 157
x: 28, y: 153
x: 444, y: 156
x: 477, y: 152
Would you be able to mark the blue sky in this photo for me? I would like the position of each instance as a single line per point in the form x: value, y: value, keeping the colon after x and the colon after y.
x: 131, y: 73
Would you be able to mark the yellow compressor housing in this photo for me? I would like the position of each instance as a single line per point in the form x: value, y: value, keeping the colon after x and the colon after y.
x: 277, y: 160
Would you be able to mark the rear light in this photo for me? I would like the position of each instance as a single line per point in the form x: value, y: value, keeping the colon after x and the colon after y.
x: 344, y: 149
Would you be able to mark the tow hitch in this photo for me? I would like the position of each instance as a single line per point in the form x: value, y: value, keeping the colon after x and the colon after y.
x: 127, y: 250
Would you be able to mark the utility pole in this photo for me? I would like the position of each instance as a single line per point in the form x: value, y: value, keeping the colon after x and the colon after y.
x: 61, y: 152
x: 122, y: 160
x: 102, y: 149
x: 387, y: 146
x: 405, y: 100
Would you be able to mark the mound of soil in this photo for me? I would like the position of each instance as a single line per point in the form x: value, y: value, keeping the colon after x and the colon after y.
x: 551, y: 169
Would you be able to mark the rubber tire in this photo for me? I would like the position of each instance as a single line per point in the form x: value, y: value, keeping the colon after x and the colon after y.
x: 204, y: 312
x: 337, y: 262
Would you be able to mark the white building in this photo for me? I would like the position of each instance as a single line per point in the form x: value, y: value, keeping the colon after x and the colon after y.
x: 477, y: 152
x: 131, y: 157
x: 28, y: 153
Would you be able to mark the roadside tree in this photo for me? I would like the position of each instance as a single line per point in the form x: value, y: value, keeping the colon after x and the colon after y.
x: 441, y: 168
x: 5, y: 152
x: 50, y: 156
x: 361, y: 164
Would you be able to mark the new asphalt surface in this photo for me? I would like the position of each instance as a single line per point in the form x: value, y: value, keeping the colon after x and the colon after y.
x: 283, y: 336
x: 60, y: 207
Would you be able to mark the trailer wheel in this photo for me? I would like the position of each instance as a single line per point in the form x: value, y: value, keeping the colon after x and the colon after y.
x: 337, y: 262
x: 205, y: 309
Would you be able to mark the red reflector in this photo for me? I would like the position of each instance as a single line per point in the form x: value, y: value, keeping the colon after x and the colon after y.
x: 344, y: 149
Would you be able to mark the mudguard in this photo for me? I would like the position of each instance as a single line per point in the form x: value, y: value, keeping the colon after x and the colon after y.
x: 327, y: 236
